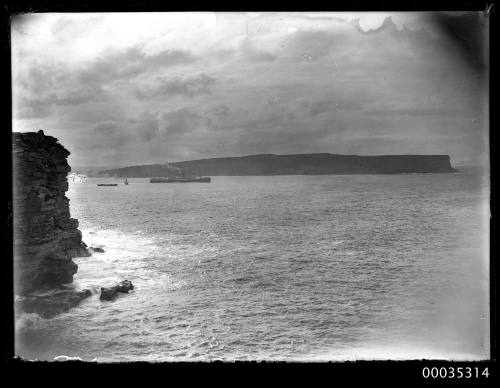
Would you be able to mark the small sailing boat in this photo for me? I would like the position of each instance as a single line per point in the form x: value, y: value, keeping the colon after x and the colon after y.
x: 126, y: 181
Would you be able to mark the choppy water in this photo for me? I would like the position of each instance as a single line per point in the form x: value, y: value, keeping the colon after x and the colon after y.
x: 287, y: 267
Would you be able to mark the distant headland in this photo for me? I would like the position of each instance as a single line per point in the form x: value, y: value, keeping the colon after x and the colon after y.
x: 298, y: 164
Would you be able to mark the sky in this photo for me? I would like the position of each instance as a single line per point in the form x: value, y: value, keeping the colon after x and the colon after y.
x: 121, y: 89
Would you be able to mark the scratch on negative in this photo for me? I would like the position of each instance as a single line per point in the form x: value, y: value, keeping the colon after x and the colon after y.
x: 488, y: 9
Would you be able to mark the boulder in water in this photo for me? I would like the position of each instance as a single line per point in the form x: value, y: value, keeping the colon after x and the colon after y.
x: 110, y: 293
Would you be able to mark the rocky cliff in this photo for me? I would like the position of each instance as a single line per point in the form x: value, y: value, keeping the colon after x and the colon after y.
x: 300, y: 164
x: 46, y: 238
x: 141, y: 171
x: 318, y: 164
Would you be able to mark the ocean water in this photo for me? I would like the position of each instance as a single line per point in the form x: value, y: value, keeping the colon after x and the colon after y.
x: 299, y: 268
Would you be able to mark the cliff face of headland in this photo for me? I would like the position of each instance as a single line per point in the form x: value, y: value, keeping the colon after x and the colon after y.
x: 301, y: 164
x: 46, y: 238
x: 141, y: 171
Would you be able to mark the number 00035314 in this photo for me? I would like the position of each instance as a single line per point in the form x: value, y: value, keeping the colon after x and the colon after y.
x: 452, y: 372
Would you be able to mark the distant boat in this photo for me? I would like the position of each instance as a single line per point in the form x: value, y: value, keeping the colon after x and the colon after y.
x: 126, y: 182
x: 107, y: 184
x: 181, y: 179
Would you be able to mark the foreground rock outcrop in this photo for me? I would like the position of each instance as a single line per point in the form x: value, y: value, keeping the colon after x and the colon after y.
x: 46, y: 238
x: 48, y: 306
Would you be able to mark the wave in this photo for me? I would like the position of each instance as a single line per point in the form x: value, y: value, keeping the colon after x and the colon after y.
x: 67, y: 358
x: 395, y: 352
x: 27, y: 321
x: 134, y: 255
x: 114, y: 239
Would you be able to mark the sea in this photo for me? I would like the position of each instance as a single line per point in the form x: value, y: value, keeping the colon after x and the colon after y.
x: 293, y: 268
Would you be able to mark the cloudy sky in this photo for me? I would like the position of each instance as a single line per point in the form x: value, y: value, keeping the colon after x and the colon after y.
x: 123, y: 89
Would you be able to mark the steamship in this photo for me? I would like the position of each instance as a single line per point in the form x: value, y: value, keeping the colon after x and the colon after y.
x: 181, y: 179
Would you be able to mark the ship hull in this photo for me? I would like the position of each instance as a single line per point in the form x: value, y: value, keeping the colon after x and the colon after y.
x: 181, y: 180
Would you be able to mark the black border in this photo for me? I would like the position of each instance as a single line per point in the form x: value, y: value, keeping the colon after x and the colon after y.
x: 23, y: 6
x: 399, y: 372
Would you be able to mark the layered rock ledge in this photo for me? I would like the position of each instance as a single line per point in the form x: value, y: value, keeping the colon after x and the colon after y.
x: 46, y: 238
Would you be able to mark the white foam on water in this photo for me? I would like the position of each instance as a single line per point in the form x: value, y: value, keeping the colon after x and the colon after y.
x: 116, y: 240
x: 165, y: 282
x: 133, y: 256
x: 67, y: 358
x: 76, y: 178
x: 27, y: 321
x: 393, y: 352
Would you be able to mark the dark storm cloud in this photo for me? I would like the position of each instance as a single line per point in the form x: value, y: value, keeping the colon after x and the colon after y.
x: 188, y: 87
x: 312, y: 45
x: 220, y: 111
x: 131, y: 63
x: 260, y: 55
x: 43, y: 87
x: 28, y: 108
x: 106, y: 128
x: 41, y: 78
x: 148, y: 129
x: 318, y: 107
x: 389, y: 44
x: 105, y: 69
x: 215, y: 117
x: 247, y: 52
x: 253, y: 54
x: 278, y: 119
x: 66, y: 28
x: 33, y: 105
x: 108, y: 134
x: 415, y: 111
x: 179, y: 122
x: 271, y: 135
x: 147, y: 126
